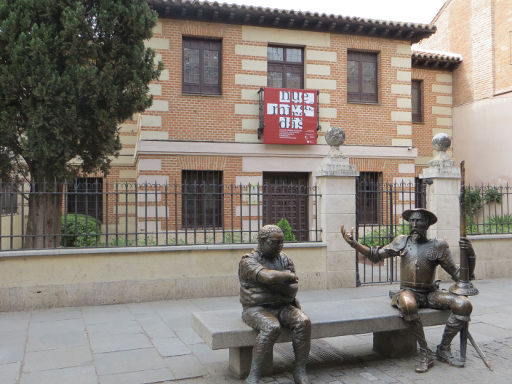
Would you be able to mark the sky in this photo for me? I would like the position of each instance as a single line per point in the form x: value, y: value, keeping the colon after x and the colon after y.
x: 415, y: 11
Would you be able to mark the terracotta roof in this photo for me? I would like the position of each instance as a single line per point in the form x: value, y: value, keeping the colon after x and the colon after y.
x: 427, y: 58
x: 279, y: 18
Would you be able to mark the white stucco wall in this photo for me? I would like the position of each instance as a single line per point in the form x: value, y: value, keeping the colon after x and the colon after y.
x: 482, y: 136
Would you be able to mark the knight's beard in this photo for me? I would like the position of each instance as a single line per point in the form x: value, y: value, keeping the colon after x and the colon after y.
x: 418, y: 236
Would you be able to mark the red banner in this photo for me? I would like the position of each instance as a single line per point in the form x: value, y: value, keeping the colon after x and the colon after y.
x: 290, y: 116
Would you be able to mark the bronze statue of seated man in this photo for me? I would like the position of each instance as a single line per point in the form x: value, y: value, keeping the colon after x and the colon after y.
x: 268, y: 285
x: 420, y: 257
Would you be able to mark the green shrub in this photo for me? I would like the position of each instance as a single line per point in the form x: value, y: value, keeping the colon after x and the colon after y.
x: 122, y: 241
x: 383, y: 235
x: 472, y: 202
x: 494, y: 224
x: 78, y: 230
x: 492, y: 195
x: 287, y: 230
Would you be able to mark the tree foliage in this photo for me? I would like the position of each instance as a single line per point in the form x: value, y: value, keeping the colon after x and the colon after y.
x: 70, y: 72
x: 285, y: 226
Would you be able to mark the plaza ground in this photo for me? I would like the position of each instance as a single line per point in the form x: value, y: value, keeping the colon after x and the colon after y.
x: 154, y: 343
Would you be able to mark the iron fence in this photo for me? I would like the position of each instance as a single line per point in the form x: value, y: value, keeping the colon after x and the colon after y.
x: 379, y: 208
x: 487, y: 209
x: 93, y: 213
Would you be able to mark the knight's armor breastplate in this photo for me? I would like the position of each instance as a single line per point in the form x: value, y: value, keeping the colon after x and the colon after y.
x: 418, y: 266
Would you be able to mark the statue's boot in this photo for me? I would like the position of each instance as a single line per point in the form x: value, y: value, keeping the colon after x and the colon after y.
x: 426, y: 359
x: 444, y: 353
x: 301, y: 342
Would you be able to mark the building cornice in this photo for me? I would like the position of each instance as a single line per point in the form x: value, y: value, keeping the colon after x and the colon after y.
x: 290, y: 19
x: 426, y: 58
x: 157, y: 147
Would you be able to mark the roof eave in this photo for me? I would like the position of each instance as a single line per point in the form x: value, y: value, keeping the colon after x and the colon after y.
x: 276, y: 18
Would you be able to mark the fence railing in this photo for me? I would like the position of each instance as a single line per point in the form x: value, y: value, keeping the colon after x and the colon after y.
x: 488, y: 209
x: 379, y: 208
x: 98, y: 214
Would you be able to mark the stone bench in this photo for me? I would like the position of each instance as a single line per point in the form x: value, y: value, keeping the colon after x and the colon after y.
x: 225, y: 329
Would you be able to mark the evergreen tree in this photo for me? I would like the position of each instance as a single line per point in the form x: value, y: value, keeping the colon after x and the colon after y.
x: 70, y: 72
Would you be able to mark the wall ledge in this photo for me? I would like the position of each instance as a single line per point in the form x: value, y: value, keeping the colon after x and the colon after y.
x: 155, y: 249
x: 491, y: 237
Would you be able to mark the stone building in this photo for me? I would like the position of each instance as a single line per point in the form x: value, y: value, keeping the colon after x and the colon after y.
x: 205, y: 125
x: 481, y: 31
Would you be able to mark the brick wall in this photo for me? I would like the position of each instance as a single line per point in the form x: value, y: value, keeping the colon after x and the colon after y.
x: 469, y: 27
x: 503, y: 43
x: 233, y: 116
x: 437, y: 110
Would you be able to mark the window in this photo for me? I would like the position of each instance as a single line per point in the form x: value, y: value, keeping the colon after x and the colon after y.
x: 368, y: 187
x: 8, y: 198
x: 420, y: 193
x: 202, y: 66
x: 285, y: 67
x: 362, y: 77
x: 417, y: 101
x: 85, y: 196
x: 202, y: 203
x: 286, y: 194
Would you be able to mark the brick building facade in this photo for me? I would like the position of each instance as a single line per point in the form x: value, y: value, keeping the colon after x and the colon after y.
x: 204, y: 123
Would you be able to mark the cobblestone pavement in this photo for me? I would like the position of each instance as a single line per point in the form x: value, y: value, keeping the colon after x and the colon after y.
x: 154, y: 343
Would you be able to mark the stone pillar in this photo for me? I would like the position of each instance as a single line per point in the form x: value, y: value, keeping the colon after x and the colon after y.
x: 336, y: 180
x: 443, y: 190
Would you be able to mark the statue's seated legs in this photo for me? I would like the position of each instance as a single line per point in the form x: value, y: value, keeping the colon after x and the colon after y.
x: 406, y: 303
x: 293, y: 318
x: 267, y: 322
x: 461, y: 309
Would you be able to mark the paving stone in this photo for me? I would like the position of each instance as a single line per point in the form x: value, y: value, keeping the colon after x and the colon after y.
x: 207, y: 356
x: 53, y: 340
x: 102, y: 342
x: 115, y: 327
x: 155, y: 327
x: 16, y: 315
x: 11, y: 353
x: 188, y: 336
x: 56, y: 326
x: 107, y: 314
x: 185, y: 367
x: 9, y: 373
x: 141, y: 308
x: 55, y: 359
x: 170, y: 347
x: 56, y: 314
x: 75, y: 375
x: 146, y: 376
x: 13, y: 337
x: 128, y: 361
x: 14, y: 323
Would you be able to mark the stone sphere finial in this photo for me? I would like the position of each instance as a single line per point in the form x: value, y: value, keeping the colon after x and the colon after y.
x: 335, y: 164
x: 335, y: 136
x: 441, y: 142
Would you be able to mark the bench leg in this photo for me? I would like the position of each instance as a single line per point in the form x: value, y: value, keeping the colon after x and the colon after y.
x: 240, y: 362
x: 395, y: 343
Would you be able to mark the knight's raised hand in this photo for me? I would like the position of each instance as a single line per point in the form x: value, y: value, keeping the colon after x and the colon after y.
x: 349, y: 237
